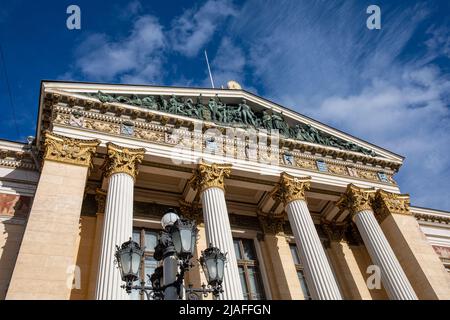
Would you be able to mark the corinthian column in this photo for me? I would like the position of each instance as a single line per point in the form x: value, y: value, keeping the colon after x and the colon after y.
x: 318, y: 273
x: 358, y: 201
x: 209, y: 179
x: 121, y: 168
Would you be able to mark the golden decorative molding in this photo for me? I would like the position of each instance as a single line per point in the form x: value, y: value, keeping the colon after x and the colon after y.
x: 386, y: 203
x: 270, y: 224
x: 210, y: 176
x: 122, y: 160
x: 69, y: 150
x: 291, y: 188
x: 432, y: 218
x: 191, y: 211
x: 356, y: 199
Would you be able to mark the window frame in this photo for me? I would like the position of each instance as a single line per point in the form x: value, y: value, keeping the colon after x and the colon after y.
x: 245, y: 264
x: 147, y: 253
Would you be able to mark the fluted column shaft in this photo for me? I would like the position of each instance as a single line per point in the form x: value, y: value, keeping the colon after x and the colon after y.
x: 218, y: 233
x: 118, y: 228
x: 121, y: 167
x: 392, y: 275
x: 318, y: 273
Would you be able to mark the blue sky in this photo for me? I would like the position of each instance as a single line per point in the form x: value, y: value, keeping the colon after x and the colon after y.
x: 390, y: 86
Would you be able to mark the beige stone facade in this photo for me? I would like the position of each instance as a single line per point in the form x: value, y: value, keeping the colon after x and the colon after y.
x: 53, y: 194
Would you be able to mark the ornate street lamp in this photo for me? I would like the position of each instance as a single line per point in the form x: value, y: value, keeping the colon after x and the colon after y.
x: 213, y: 262
x: 128, y: 258
x: 169, y: 219
x: 184, y: 236
x: 176, y: 245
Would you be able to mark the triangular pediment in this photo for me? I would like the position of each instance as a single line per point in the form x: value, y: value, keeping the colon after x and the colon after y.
x: 227, y: 108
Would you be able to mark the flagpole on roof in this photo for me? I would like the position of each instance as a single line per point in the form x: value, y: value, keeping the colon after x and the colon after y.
x: 209, y: 70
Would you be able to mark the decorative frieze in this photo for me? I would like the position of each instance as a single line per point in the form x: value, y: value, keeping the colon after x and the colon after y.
x: 386, y: 203
x: 152, y: 126
x: 210, y: 176
x: 69, y: 150
x: 356, y: 199
x: 16, y: 159
x: 290, y: 188
x: 122, y: 159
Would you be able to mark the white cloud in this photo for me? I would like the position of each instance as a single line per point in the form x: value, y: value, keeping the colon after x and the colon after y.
x: 195, y: 27
x: 322, y: 59
x: 136, y: 58
x: 318, y: 57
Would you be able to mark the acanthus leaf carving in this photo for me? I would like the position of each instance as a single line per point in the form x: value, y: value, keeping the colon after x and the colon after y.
x: 290, y: 188
x: 69, y: 150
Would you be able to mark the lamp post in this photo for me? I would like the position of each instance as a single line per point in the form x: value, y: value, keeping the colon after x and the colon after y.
x: 175, y: 248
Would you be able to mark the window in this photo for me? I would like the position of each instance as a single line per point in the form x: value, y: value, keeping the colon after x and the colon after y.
x: 300, y: 273
x: 383, y: 177
x: 321, y: 166
x: 252, y: 286
x: 147, y: 239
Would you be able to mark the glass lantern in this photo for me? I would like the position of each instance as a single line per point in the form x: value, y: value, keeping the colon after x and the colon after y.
x: 184, y: 236
x: 128, y: 257
x: 169, y: 219
x: 213, y: 264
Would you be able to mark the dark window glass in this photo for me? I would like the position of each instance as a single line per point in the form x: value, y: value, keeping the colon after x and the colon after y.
x: 249, y: 273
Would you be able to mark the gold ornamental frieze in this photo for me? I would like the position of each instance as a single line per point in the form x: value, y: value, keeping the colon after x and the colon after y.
x: 290, y: 188
x: 69, y: 150
x: 122, y: 160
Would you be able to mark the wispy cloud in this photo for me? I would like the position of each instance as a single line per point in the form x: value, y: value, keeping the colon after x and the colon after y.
x: 135, y: 58
x: 322, y: 59
x: 139, y: 57
x: 195, y: 27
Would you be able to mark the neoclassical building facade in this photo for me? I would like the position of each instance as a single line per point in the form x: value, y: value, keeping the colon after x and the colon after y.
x: 303, y: 211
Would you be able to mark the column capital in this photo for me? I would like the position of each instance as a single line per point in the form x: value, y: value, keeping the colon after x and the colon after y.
x: 386, y: 203
x: 290, y: 188
x: 356, y: 199
x: 271, y: 224
x: 100, y: 198
x: 209, y: 176
x: 335, y: 231
x: 122, y: 160
x: 192, y: 211
x: 69, y: 150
